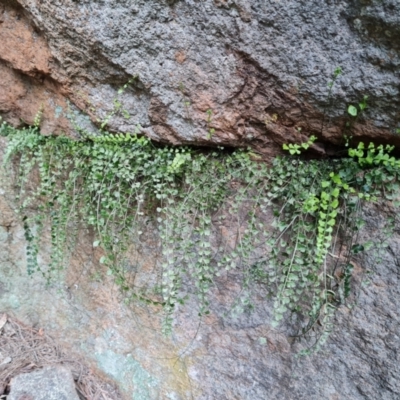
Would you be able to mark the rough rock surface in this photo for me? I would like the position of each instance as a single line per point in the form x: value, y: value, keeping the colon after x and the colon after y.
x: 220, y: 358
x: 50, y: 383
x: 261, y: 67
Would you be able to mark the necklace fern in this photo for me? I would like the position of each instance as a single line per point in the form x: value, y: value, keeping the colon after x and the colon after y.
x: 116, y: 184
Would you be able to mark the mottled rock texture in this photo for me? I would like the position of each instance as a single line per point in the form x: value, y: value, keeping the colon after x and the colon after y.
x: 50, y: 383
x: 219, y: 357
x: 261, y: 66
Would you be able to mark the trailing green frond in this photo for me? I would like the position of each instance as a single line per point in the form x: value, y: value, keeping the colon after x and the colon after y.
x: 116, y: 184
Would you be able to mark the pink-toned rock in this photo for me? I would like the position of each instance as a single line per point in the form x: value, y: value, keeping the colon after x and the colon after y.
x: 261, y: 68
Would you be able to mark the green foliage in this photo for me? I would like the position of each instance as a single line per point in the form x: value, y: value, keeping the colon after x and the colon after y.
x: 295, y: 148
x: 336, y: 73
x: 114, y: 184
x: 119, y: 185
x: 362, y: 105
x: 324, y: 203
x: 117, y: 107
x: 352, y: 110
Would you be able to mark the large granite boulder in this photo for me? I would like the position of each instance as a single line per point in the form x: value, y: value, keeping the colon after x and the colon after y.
x: 238, y: 73
x: 232, y: 72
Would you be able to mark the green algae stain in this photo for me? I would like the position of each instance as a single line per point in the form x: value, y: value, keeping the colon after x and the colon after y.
x: 134, y: 380
x: 58, y: 111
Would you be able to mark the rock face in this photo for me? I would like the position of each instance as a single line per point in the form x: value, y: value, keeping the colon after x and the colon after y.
x: 50, y: 383
x: 213, y: 72
x: 218, y: 357
x: 228, y: 72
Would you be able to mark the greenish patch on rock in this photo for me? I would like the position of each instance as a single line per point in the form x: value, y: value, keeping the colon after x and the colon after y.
x: 132, y: 377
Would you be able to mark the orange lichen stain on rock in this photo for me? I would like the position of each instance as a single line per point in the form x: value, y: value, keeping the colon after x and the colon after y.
x: 26, y: 84
x: 201, y: 102
x: 179, y: 380
x: 180, y: 56
x: 21, y: 47
x: 21, y: 98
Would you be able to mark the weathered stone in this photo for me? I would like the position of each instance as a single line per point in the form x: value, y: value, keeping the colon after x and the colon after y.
x: 218, y: 357
x: 261, y: 66
x: 50, y: 383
